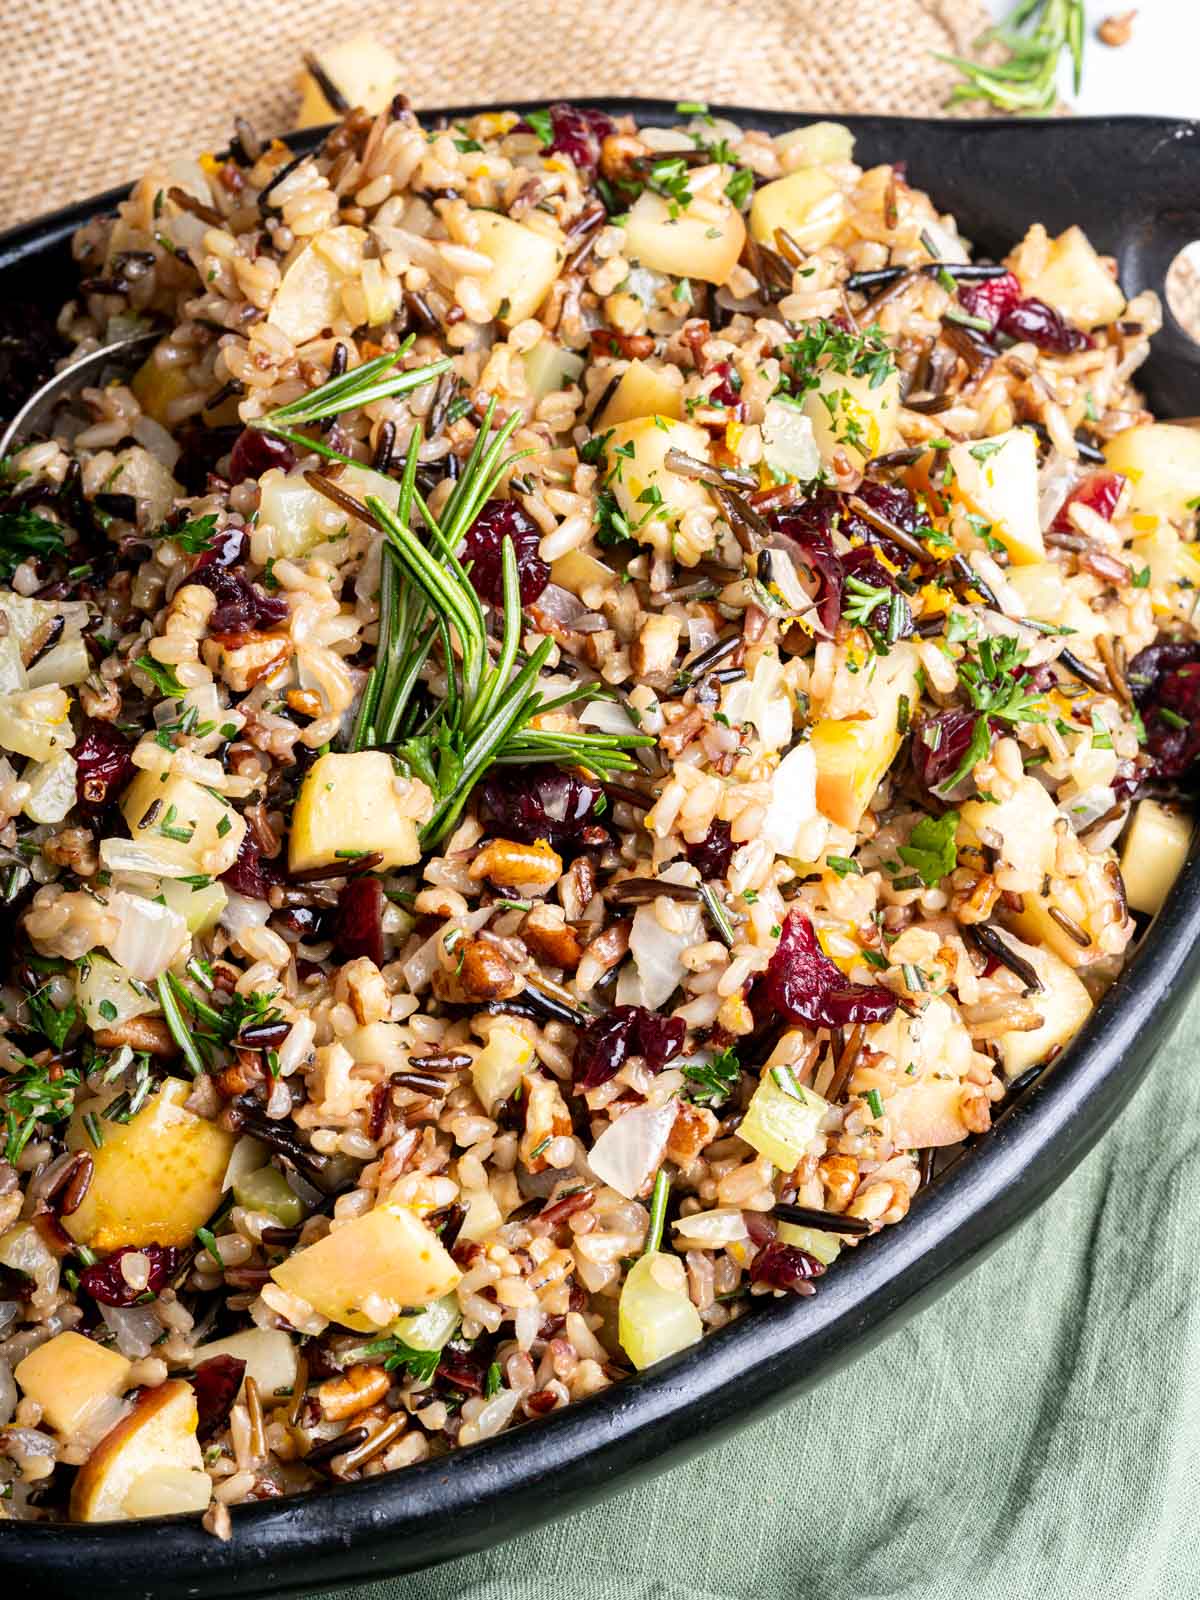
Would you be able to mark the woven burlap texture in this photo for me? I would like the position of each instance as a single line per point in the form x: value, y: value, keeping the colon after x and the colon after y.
x: 96, y: 88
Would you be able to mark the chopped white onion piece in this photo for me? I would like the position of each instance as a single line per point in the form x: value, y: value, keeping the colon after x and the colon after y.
x: 793, y: 800
x: 710, y: 1229
x: 130, y: 855
x: 631, y: 1149
x: 788, y: 442
x: 149, y: 936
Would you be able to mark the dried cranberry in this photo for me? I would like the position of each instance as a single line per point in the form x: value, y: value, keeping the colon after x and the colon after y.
x: 714, y: 852
x: 500, y: 520
x: 990, y: 298
x: 242, y: 607
x: 256, y: 452
x: 608, y: 1041
x: 302, y: 922
x: 463, y: 1370
x: 890, y: 500
x: 1034, y: 322
x: 229, y: 548
x: 783, y: 1266
x: 251, y: 873
x: 106, y: 1282
x: 861, y: 564
x: 1148, y: 669
x: 802, y: 984
x: 578, y: 132
x: 103, y: 762
x: 358, y: 928
x: 939, y: 747
x: 216, y: 1383
x: 540, y: 802
x: 729, y: 391
x: 1173, y: 717
x: 1099, y: 491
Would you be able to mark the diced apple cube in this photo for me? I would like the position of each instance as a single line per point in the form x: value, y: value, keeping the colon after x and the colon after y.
x: 500, y: 1065
x: 369, y: 1269
x: 549, y: 368
x: 364, y: 72
x: 1063, y: 1004
x: 155, y: 1179
x: 1156, y: 849
x: 642, y: 392
x: 853, y: 754
x: 853, y: 414
x: 997, y: 479
x: 67, y: 1375
x: 687, y: 245
x: 577, y: 571
x: 184, y: 822
x: 1075, y: 282
x: 350, y: 805
x: 651, y: 496
x: 1162, y: 462
x: 1022, y: 822
x: 807, y: 205
x: 36, y: 723
x: 309, y: 297
x: 926, y: 1114
x: 270, y: 1355
x: 159, y: 1435
x: 525, y: 264
x: 200, y: 908
x: 817, y: 145
x: 106, y: 995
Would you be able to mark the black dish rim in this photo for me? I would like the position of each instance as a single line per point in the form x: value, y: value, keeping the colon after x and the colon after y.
x: 451, y: 1506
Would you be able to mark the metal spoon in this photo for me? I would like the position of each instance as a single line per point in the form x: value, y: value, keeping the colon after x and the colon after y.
x: 36, y: 414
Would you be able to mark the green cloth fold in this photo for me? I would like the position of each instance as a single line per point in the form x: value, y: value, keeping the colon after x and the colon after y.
x: 1035, y: 1435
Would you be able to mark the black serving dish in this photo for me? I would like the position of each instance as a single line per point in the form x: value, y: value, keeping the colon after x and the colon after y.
x: 1133, y: 184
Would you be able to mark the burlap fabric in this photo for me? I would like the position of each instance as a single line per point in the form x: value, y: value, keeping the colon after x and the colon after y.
x: 94, y: 88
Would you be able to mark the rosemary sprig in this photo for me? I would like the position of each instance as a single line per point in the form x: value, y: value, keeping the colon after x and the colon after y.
x: 373, y: 380
x: 426, y: 595
x: 1027, y: 81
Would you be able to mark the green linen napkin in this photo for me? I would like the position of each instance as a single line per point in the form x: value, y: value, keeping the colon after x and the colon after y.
x: 1035, y: 1435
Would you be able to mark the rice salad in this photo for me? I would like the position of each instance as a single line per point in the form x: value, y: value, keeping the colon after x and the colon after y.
x: 602, y: 699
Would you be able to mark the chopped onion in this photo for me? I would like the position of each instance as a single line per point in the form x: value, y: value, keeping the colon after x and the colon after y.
x: 710, y: 1229
x: 135, y: 1327
x: 155, y: 438
x: 631, y: 1149
x: 423, y: 963
x: 51, y: 788
x: 609, y: 716
x: 66, y: 665
x: 10, y: 1310
x: 149, y: 936
x: 127, y: 855
x: 762, y: 700
x: 788, y: 442
x: 657, y: 968
x: 560, y: 604
x: 793, y: 801
x: 241, y: 912
x: 248, y: 1155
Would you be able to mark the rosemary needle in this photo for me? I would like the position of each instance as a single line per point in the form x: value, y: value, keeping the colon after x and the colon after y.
x: 1027, y: 81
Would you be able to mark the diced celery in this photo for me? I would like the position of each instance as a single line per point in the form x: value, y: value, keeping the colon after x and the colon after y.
x: 781, y: 1124
x: 268, y: 1190
x: 656, y: 1316
x: 432, y: 1328
x: 825, y: 1246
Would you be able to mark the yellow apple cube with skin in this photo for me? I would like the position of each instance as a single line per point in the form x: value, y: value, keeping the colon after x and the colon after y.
x: 686, y: 244
x: 184, y: 823
x: 997, y: 479
x: 807, y: 205
x: 67, y: 1375
x: 386, y: 1260
x: 270, y: 1354
x: 348, y: 806
x: 852, y: 754
x: 1162, y: 462
x: 1155, y: 853
x: 156, y: 1438
x: 155, y: 1179
x: 1076, y: 282
x: 641, y: 392
x: 525, y: 264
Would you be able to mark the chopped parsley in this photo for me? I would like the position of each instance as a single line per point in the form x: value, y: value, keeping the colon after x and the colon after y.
x: 22, y: 534
x: 712, y: 1082
x: 931, y: 850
